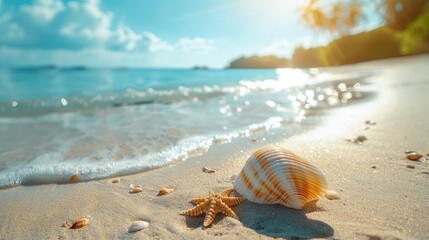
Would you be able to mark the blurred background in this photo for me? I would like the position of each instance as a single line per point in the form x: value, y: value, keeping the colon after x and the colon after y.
x: 210, y: 33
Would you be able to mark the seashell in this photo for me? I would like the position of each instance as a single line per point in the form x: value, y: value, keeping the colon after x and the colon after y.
x: 414, y: 156
x: 275, y: 175
x: 137, y: 226
x: 165, y: 191
x: 332, y: 195
x: 74, y: 178
x: 135, y: 189
x: 80, y: 223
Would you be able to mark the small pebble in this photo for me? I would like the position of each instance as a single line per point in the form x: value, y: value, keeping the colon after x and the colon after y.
x: 116, y: 180
x: 253, y: 139
x: 332, y: 195
x: 135, y: 189
x: 411, y: 166
x: 80, y: 223
x: 359, y: 139
x: 373, y: 166
x: 414, y: 156
x: 208, y: 170
x: 370, y: 122
x: 74, y: 178
x: 137, y: 226
x: 409, y: 151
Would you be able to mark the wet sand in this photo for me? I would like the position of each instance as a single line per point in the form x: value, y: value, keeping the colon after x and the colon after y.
x: 381, y: 198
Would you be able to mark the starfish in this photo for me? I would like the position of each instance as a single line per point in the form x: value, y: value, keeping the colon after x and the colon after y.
x: 213, y: 204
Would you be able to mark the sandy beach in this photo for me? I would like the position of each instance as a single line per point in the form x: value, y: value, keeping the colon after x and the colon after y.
x: 383, y: 195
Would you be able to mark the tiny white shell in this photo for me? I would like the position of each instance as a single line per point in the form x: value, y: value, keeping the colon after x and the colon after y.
x: 274, y: 175
x: 137, y: 226
x: 135, y: 189
x: 332, y: 195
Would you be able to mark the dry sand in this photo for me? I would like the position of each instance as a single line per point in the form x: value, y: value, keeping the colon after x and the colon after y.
x: 381, y: 198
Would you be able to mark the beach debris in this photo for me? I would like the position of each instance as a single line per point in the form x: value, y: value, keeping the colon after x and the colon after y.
x: 359, y: 139
x: 274, y: 175
x: 135, y: 189
x: 213, y: 204
x: 409, y: 151
x: 373, y: 166
x: 80, y: 223
x: 208, y: 170
x: 332, y: 195
x: 165, y: 191
x: 116, y: 180
x: 370, y: 122
x: 137, y: 226
x: 414, y: 156
x: 411, y: 166
x: 253, y: 139
x: 74, y: 178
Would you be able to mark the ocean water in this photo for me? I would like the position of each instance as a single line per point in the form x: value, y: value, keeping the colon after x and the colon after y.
x: 98, y: 123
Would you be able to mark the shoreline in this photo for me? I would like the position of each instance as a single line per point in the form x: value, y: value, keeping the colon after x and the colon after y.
x: 388, y: 201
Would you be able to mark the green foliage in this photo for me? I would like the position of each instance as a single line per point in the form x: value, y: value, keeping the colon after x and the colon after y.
x: 342, y: 16
x: 259, y: 62
x: 415, y: 38
x: 376, y: 44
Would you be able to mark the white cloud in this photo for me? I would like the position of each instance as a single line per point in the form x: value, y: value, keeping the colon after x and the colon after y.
x: 43, y: 10
x: 278, y: 48
x: 195, y: 45
x: 156, y: 44
x: 52, y: 24
x: 81, y: 32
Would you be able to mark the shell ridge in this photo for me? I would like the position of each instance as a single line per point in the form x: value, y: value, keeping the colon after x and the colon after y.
x: 281, y: 195
x: 262, y: 189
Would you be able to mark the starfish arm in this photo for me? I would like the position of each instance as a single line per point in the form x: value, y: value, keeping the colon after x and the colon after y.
x: 232, y: 201
x: 197, y: 210
x: 223, y: 208
x: 226, y: 192
x: 198, y: 200
x: 210, y: 214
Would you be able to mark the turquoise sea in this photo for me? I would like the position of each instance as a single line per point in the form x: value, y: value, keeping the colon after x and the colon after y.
x: 97, y: 123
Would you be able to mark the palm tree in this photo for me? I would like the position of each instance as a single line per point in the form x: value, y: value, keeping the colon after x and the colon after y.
x: 313, y: 16
x: 354, y: 14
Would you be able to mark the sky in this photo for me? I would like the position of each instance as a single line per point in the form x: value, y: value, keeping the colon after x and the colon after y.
x: 148, y: 33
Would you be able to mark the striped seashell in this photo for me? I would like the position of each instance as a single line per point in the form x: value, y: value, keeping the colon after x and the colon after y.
x: 275, y: 175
